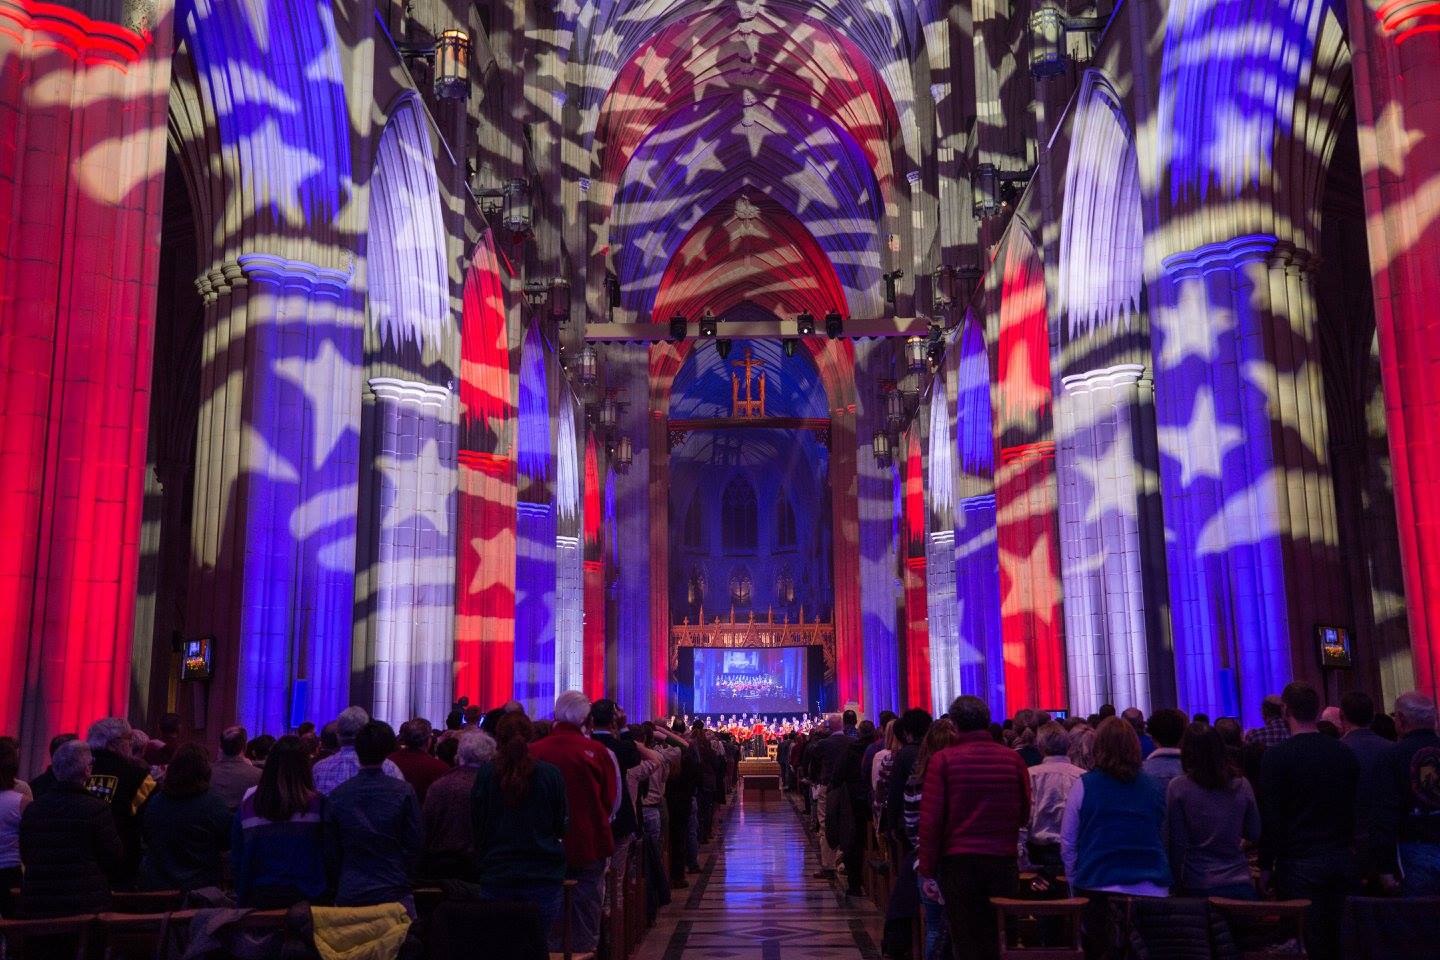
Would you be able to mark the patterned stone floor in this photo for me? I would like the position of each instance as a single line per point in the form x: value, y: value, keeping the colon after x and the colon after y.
x: 755, y: 899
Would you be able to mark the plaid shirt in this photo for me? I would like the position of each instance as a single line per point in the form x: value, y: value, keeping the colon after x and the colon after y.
x: 336, y: 769
x: 1274, y: 731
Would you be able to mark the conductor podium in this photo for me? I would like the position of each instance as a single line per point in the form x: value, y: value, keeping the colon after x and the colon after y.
x: 760, y: 778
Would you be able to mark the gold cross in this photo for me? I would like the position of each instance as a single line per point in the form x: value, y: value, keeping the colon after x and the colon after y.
x: 750, y: 407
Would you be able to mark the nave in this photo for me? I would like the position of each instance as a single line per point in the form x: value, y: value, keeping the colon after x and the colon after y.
x: 756, y: 898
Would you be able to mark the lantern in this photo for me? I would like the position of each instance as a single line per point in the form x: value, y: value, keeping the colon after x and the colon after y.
x: 518, y: 211
x: 452, y: 65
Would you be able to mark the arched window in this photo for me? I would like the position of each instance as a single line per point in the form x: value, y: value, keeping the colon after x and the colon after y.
x: 692, y: 533
x: 784, y: 524
x: 737, y: 512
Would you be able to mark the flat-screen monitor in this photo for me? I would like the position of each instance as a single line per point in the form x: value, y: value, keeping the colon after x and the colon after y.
x: 1335, y: 649
x: 195, y: 659
x: 771, y: 680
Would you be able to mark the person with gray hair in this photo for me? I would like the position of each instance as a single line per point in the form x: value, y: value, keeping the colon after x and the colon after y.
x: 1417, y: 761
x: 572, y: 707
x: 69, y: 844
x: 122, y: 780
x: 1050, y: 783
x: 343, y: 764
x: 449, y: 827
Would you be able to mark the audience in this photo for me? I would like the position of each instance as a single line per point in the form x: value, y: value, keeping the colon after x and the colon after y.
x: 1417, y: 782
x: 343, y: 763
x: 1210, y: 809
x: 119, y: 778
x: 277, y: 839
x: 592, y: 795
x: 976, y: 799
x: 69, y: 843
x: 185, y: 826
x: 449, y: 826
x: 373, y: 835
x: 1050, y: 783
x: 520, y: 824
x: 233, y: 775
x: 413, y: 758
x: 1307, y: 811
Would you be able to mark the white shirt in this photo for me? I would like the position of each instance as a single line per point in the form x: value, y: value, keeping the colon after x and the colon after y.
x: 336, y: 769
x: 12, y: 804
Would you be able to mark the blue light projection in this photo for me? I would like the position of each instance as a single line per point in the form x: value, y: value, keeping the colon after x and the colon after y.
x: 534, y: 537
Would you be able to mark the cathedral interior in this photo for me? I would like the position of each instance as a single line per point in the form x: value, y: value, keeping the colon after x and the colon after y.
x: 1061, y: 352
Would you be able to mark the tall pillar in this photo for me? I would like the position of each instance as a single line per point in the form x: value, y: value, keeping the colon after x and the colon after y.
x: 485, y: 587
x: 917, y: 621
x: 410, y: 643
x: 1396, y: 50
x: 594, y: 576
x: 1113, y: 643
x: 1244, y: 470
x: 878, y: 540
x: 945, y: 657
x: 82, y: 170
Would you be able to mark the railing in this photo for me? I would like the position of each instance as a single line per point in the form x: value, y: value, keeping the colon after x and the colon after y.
x: 735, y: 632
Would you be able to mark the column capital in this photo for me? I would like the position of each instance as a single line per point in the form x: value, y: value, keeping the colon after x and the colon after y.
x: 412, y: 392
x: 1402, y: 19
x: 1120, y: 375
x: 292, y: 274
x: 1221, y: 255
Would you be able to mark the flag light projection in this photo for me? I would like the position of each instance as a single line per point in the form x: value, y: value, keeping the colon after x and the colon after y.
x: 942, y: 606
x: 917, y: 625
x: 81, y: 174
x: 535, y: 610
x: 876, y: 543
x: 569, y: 574
x: 594, y: 573
x: 485, y: 584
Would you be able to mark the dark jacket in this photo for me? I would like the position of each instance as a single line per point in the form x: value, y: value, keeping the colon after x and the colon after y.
x: 71, y: 851
x: 278, y: 862
x: 627, y: 757
x: 124, y: 785
x: 1375, y: 801
x: 373, y: 838
x: 976, y: 799
x: 1417, y: 761
x: 184, y: 840
x: 524, y: 844
x: 1307, y: 799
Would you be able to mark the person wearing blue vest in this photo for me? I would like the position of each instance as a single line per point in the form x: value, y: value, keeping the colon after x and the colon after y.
x: 1111, y: 837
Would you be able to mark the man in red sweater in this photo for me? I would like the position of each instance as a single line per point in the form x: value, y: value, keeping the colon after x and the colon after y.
x: 592, y: 792
x: 975, y: 799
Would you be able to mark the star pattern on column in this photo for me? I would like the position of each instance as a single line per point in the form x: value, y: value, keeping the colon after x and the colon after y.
x: 396, y: 470
x: 316, y: 377
x: 1202, y: 444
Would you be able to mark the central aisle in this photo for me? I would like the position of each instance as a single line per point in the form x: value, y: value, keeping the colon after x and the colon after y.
x: 755, y: 900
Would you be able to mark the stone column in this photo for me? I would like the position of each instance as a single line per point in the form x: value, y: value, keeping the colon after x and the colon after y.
x: 1396, y: 50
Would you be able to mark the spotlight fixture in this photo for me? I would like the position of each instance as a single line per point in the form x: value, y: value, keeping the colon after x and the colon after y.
x: 834, y: 324
x: 722, y: 347
x: 589, y: 365
x: 890, y: 280
x: 915, y: 353
x: 707, y: 324
x: 677, y: 328
x: 452, y: 65
x: 805, y: 325
x: 788, y: 345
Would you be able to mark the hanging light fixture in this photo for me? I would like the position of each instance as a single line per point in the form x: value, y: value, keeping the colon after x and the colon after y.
x: 536, y: 292
x: 894, y: 405
x: 722, y: 347
x: 452, y: 65
x: 915, y: 353
x: 891, y: 279
x: 1048, y: 57
x: 624, y: 454
x: 609, y: 413
x: 880, y: 447
x: 909, y: 389
x: 589, y: 365
x: 560, y: 299
x: 519, y: 211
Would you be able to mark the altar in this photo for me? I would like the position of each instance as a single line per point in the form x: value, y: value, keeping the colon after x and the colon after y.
x: 760, y: 777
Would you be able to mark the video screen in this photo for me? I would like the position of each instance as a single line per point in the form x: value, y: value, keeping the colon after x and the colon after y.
x: 750, y: 681
x: 1335, y: 652
x: 195, y: 660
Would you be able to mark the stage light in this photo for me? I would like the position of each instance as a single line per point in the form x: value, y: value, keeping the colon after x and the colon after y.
x: 589, y: 365
x: 915, y: 353
x: 805, y: 325
x: 707, y: 324
x: 788, y: 345
x: 518, y: 207
x: 452, y: 65
x: 677, y: 328
x: 834, y: 324
x: 722, y: 347
x: 880, y: 447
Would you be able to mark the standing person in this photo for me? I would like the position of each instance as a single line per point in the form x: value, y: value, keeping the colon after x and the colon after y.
x: 46, y: 780
x: 854, y: 792
x: 232, y: 775
x: 185, y: 826
x: 1050, y: 783
x: 1377, y: 793
x: 343, y: 764
x: 941, y: 735
x: 69, y: 843
x: 277, y: 846
x: 824, y: 759
x: 591, y: 790
x: 710, y: 784
x: 605, y: 723
x: 1275, y: 729
x: 161, y: 749
x: 1210, y: 809
x: 1167, y: 726
x: 1307, y: 811
x: 12, y: 806
x: 904, y: 903
x: 413, y: 758
x: 1136, y: 718
x: 519, y: 820
x: 680, y: 787
x: 976, y: 799
x: 373, y: 836
x: 118, y: 777
x: 1417, y: 761
x: 449, y: 826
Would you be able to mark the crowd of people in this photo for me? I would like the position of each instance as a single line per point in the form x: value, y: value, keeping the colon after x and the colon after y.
x: 355, y: 814
x: 1314, y: 805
